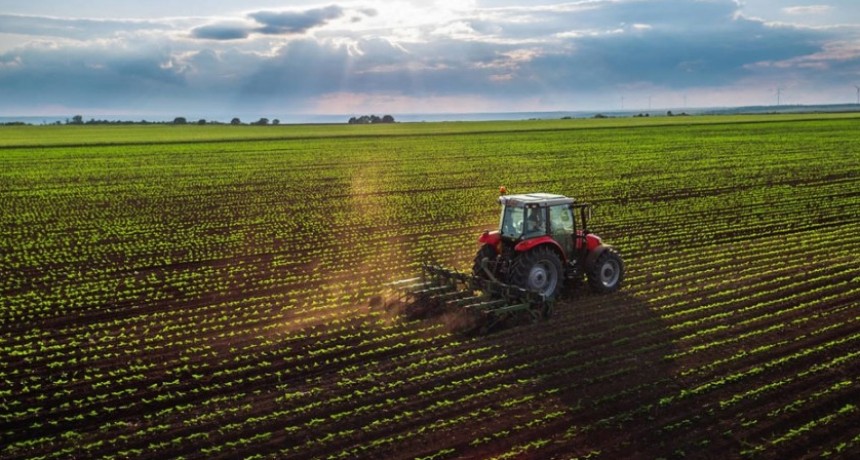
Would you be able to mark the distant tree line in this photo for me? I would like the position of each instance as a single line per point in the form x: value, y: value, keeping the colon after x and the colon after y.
x: 79, y: 120
x: 234, y: 121
x: 369, y: 119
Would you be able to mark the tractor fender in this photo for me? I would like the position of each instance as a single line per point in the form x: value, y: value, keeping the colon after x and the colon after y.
x: 592, y: 241
x: 491, y: 238
x: 594, y: 254
x: 527, y: 245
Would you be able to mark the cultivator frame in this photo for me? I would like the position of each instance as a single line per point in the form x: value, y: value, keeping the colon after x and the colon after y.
x: 488, y: 301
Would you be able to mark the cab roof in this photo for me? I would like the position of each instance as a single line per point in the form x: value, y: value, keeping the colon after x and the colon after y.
x: 532, y: 199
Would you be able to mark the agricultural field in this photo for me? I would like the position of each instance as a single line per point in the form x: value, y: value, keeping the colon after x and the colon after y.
x: 219, y: 292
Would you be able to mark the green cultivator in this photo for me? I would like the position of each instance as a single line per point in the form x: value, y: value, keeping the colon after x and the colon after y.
x: 484, y: 302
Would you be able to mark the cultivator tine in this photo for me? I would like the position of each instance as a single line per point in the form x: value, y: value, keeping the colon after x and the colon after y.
x: 430, y: 291
x: 452, y: 296
x: 512, y: 308
x: 459, y: 303
x: 486, y: 307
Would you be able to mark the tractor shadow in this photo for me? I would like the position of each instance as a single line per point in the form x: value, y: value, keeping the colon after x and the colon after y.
x: 601, y: 357
x: 599, y: 360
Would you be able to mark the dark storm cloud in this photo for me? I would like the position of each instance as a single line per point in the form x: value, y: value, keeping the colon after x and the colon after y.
x: 675, y: 58
x: 221, y: 32
x: 287, y: 22
x: 283, y: 23
x: 80, y: 76
x: 667, y: 43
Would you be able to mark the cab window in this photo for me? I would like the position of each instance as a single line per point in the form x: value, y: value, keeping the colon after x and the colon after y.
x: 561, y: 219
x: 512, y: 222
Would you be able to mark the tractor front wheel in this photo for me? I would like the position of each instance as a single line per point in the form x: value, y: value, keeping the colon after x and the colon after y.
x: 606, y: 274
x: 539, y: 270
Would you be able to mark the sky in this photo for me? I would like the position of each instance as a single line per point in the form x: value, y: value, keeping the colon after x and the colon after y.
x: 263, y: 57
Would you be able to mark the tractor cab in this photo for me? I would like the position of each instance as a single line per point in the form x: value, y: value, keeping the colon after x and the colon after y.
x: 537, y: 215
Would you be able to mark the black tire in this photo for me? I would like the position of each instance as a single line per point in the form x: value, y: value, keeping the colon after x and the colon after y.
x: 487, y: 252
x: 539, y: 270
x: 606, y: 274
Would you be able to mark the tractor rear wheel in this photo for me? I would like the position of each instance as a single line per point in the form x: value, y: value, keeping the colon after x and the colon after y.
x: 606, y: 274
x: 539, y: 270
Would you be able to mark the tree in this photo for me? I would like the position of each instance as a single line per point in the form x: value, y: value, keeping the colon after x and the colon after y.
x: 365, y: 119
x: 276, y: 121
x: 261, y: 122
x: 179, y: 121
x: 77, y: 120
x: 201, y: 122
x: 236, y: 121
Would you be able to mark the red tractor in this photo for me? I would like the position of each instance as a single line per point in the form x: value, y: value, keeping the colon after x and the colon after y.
x: 522, y: 266
x: 539, y: 246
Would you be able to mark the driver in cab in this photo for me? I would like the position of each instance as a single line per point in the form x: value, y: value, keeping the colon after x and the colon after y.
x: 535, y: 222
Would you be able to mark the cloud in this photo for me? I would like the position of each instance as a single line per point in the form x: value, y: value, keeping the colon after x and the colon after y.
x: 288, y: 22
x: 79, y: 29
x: 369, y: 12
x: 601, y: 46
x: 713, y: 55
x: 10, y: 61
x: 805, y: 10
x: 82, y: 75
x: 836, y: 61
x: 222, y: 31
x: 274, y: 23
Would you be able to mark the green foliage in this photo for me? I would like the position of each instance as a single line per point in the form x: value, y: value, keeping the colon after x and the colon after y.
x: 204, y: 291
